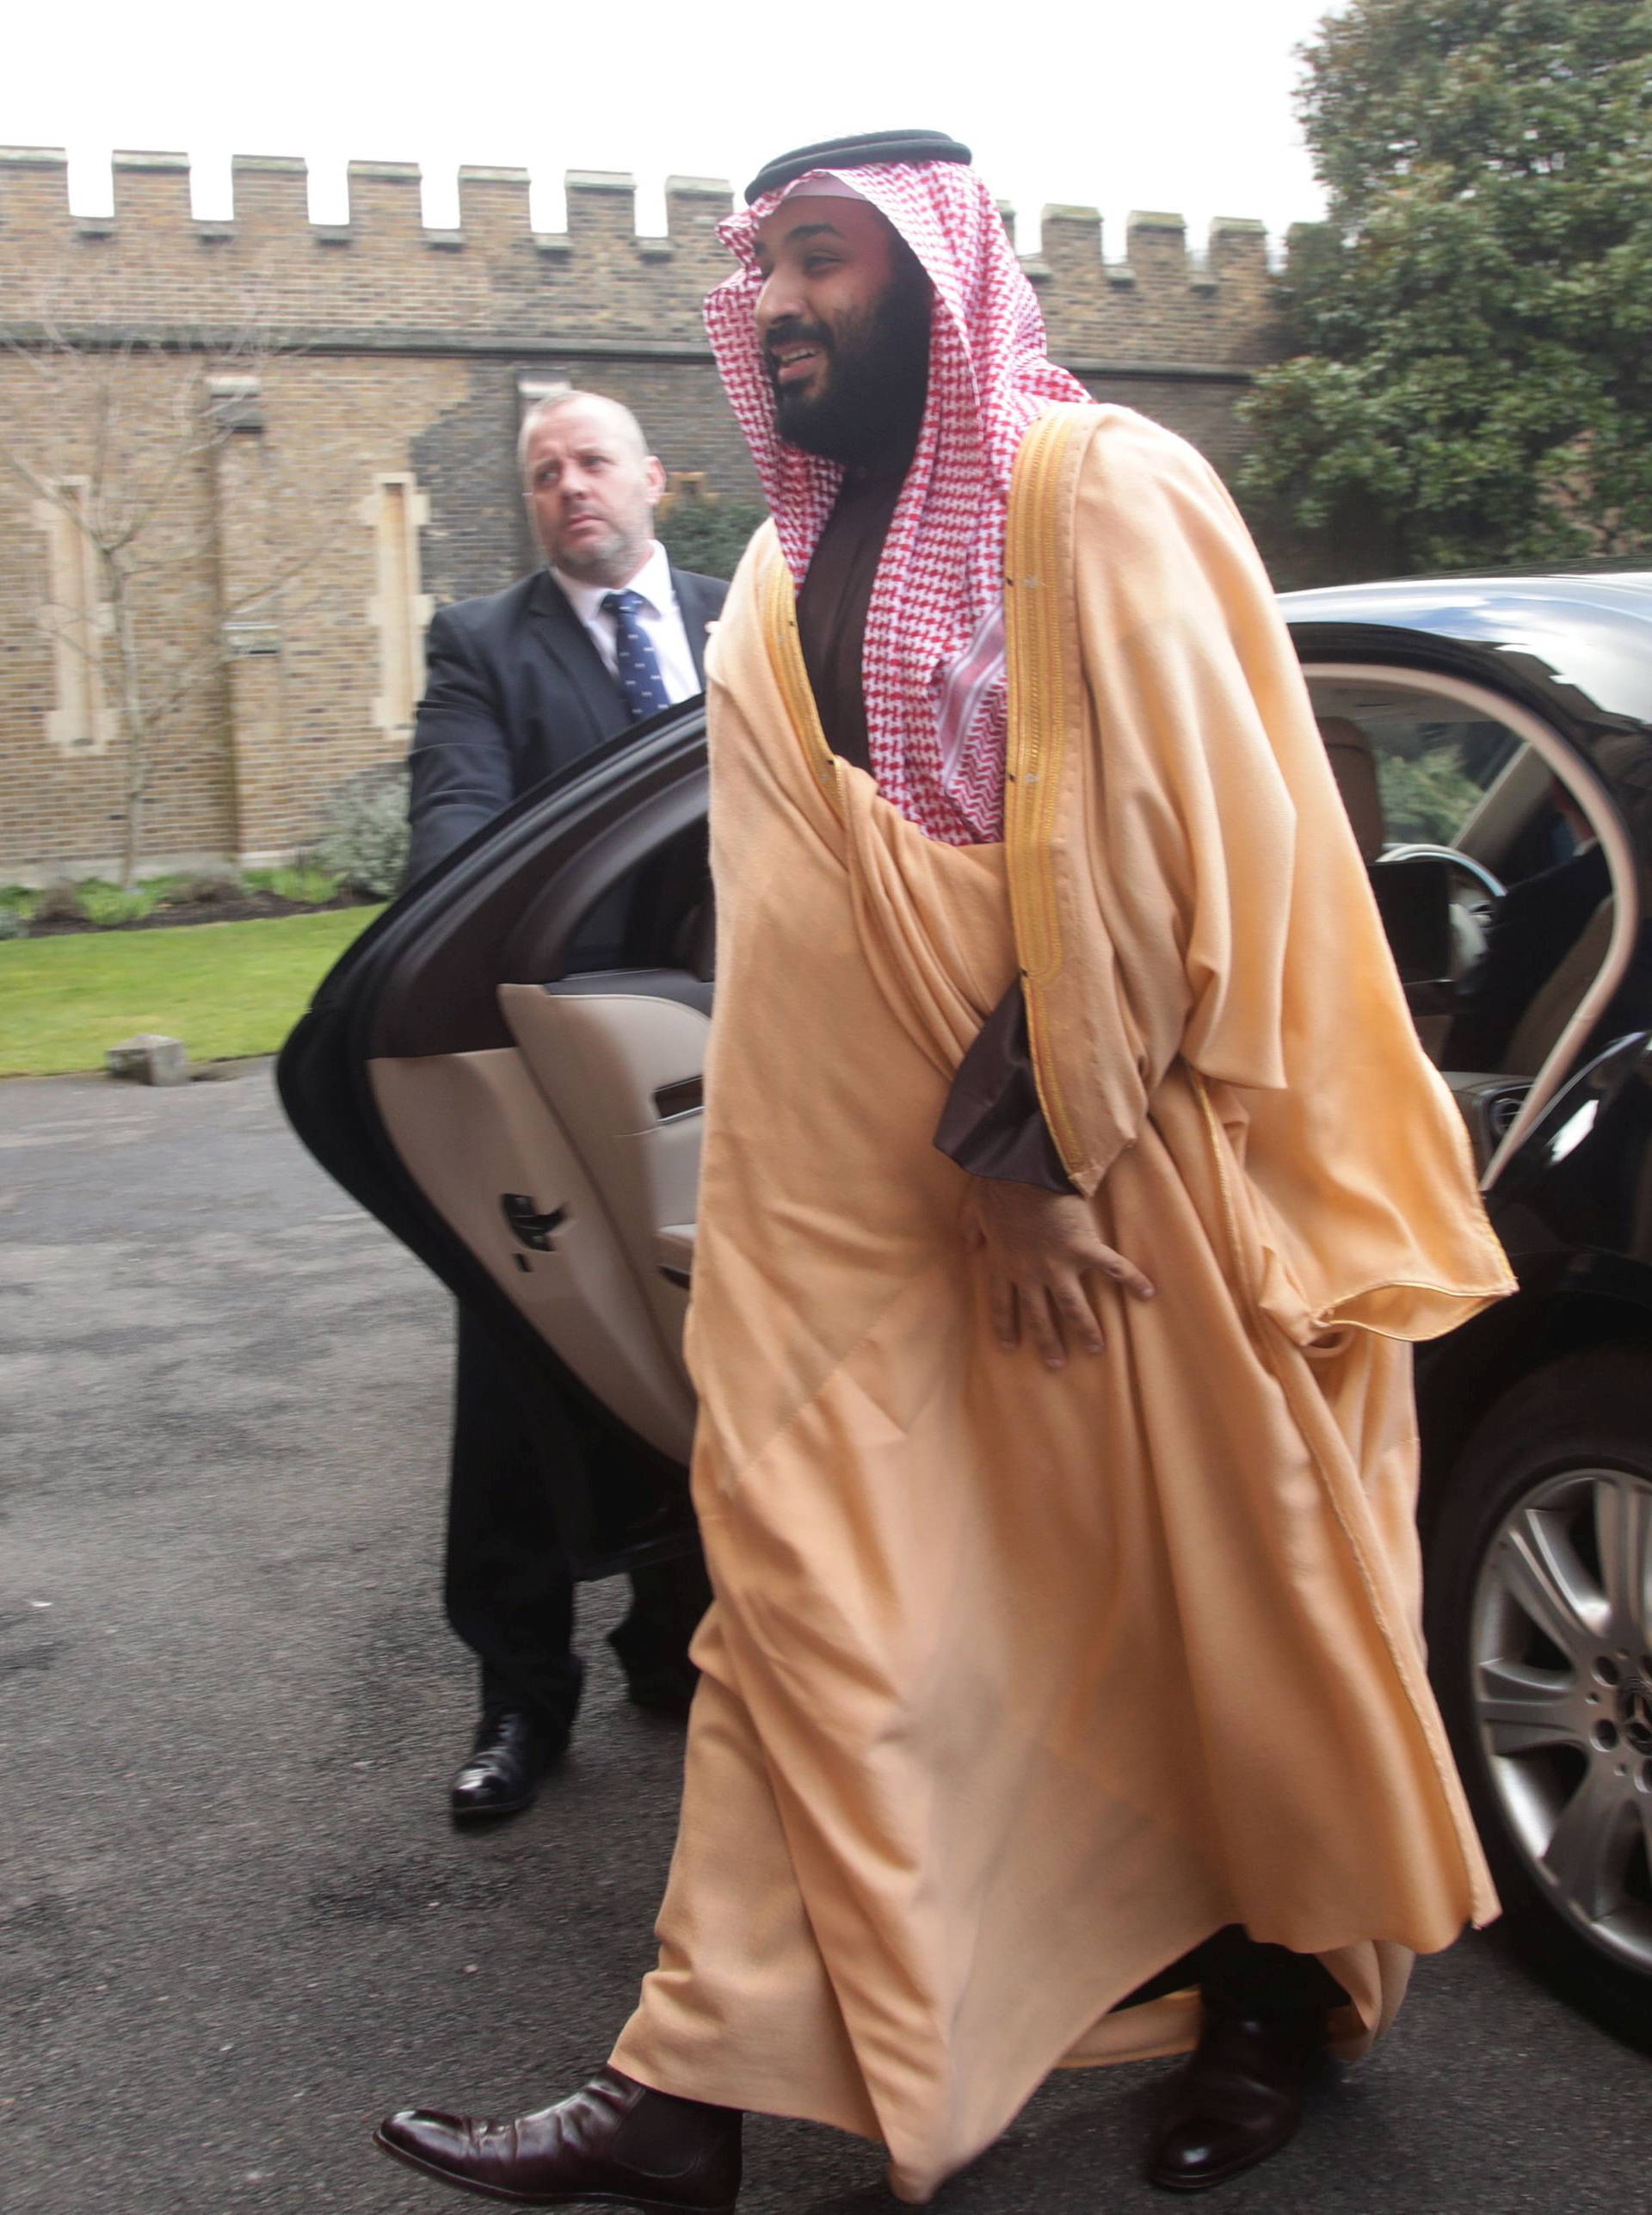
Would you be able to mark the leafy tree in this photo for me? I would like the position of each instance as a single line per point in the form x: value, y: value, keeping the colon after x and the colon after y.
x: 709, y: 535
x: 1471, y: 374
x: 1429, y: 797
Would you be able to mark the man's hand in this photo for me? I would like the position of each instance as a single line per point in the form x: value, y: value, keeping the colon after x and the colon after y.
x: 1039, y: 1248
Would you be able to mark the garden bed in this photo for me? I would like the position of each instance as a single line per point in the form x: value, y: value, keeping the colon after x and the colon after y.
x: 243, y: 907
x: 169, y: 902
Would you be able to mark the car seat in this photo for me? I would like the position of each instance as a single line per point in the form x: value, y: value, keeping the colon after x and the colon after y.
x: 1537, y: 1032
x: 1353, y: 764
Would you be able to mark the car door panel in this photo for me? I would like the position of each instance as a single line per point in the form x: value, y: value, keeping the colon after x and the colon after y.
x: 408, y: 1082
x: 624, y: 1070
x: 475, y: 1131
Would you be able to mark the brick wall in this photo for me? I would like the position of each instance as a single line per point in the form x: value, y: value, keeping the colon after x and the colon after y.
x: 379, y: 349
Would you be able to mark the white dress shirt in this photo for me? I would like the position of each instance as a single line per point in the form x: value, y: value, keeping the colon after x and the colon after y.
x: 660, y: 617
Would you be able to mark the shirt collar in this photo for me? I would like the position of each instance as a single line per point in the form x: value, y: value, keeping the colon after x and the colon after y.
x: 651, y: 584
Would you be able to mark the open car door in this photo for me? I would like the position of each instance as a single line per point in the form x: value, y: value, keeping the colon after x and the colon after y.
x: 506, y: 1071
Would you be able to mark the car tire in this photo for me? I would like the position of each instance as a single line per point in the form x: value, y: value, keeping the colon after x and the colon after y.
x: 1539, y: 1620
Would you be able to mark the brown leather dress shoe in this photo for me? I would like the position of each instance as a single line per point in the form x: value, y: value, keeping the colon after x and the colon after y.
x: 615, y: 2141
x: 1239, y: 2099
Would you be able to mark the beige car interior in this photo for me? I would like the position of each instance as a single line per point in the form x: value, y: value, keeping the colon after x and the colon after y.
x: 566, y: 1157
x: 474, y: 1127
x: 1353, y: 764
x: 1539, y: 1031
x: 1360, y: 712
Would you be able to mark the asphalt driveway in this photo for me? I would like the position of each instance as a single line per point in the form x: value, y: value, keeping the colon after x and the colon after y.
x: 234, y: 1923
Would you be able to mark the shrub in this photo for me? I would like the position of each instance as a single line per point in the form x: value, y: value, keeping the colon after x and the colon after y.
x: 306, y: 883
x: 60, y: 903
x: 106, y: 905
x: 210, y: 888
x: 366, y: 841
x: 14, y: 924
x: 709, y: 536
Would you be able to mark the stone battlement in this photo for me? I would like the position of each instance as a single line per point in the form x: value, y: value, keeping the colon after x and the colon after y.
x: 364, y: 384
x: 385, y: 282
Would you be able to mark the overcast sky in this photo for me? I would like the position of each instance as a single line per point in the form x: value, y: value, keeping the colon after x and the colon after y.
x: 1184, y: 106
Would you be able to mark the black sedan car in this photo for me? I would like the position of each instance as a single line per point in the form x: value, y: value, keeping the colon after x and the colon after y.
x: 507, y: 1070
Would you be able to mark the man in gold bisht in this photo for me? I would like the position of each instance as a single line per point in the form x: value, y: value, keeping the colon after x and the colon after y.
x: 1074, y: 1189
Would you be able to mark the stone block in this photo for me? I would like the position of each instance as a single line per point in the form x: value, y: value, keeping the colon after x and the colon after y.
x: 149, y: 1058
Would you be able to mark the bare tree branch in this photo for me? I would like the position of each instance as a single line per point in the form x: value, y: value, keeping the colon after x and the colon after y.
x: 118, y: 502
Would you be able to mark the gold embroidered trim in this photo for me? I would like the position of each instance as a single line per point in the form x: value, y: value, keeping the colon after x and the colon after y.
x: 1035, y: 586
x: 785, y: 652
x: 1328, y: 1318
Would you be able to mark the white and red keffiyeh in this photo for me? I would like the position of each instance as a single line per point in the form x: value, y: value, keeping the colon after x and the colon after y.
x: 935, y: 652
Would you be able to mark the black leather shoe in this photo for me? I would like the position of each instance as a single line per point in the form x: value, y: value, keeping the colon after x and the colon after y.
x: 511, y: 1754
x: 614, y: 2141
x: 1238, y: 2100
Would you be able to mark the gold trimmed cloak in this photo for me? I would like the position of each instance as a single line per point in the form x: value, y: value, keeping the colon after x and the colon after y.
x: 1017, y: 1684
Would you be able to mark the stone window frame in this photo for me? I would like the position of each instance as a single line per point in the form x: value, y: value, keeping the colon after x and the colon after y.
x: 399, y: 612
x: 78, y: 621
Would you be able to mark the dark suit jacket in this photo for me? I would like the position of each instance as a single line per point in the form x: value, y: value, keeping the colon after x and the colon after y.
x: 1536, y: 925
x: 515, y: 691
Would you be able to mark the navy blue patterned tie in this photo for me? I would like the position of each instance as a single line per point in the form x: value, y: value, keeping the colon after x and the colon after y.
x: 636, y: 664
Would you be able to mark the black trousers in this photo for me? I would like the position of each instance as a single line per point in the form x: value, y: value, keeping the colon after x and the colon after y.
x: 1239, y: 1976
x: 507, y: 1591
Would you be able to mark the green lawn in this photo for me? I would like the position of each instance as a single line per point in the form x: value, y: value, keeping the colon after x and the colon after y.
x: 225, y: 989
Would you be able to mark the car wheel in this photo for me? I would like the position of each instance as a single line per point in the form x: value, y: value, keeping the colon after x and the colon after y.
x: 1539, y: 1614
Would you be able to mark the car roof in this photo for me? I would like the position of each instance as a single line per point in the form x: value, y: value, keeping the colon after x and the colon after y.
x: 1582, y: 640
x: 1444, y: 602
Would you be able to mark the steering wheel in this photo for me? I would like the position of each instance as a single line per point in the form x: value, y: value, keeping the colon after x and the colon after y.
x: 1482, y: 876
x: 1472, y: 907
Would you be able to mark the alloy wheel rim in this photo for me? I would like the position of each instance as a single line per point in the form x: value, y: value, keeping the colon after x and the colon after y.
x: 1561, y: 1674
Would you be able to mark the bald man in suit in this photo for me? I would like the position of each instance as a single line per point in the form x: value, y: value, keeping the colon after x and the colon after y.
x: 520, y: 684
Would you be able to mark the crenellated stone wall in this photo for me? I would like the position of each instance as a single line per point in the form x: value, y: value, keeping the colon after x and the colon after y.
x: 386, y: 364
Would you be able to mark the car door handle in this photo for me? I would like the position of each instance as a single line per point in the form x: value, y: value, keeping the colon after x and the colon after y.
x: 527, y: 1226
x: 685, y: 1097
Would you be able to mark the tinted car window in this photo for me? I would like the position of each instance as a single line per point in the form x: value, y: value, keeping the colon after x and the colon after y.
x: 1532, y: 911
x: 1435, y: 759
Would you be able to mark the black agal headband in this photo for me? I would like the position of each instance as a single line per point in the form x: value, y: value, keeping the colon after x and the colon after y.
x: 858, y: 152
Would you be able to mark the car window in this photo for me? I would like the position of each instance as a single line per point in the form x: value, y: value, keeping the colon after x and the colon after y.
x: 656, y: 916
x: 1435, y: 760
x: 1537, y: 961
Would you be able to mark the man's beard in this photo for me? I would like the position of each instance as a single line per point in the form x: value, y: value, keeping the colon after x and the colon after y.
x: 876, y: 381
x: 591, y: 563
x: 611, y: 559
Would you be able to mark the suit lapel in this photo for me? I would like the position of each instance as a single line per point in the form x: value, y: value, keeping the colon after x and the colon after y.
x: 698, y: 608
x: 571, y: 647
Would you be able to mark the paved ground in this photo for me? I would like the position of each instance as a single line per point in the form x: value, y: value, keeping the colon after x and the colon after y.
x: 235, y: 1924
